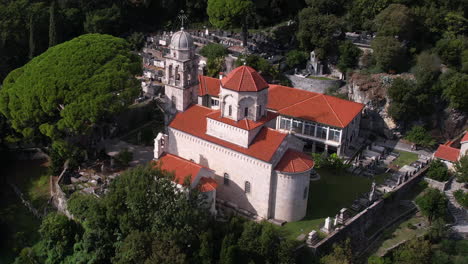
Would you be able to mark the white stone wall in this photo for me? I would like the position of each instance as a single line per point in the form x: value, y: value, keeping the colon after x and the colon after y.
x: 463, y: 149
x: 222, y: 160
x: 290, y: 202
x: 256, y: 103
x: 227, y: 132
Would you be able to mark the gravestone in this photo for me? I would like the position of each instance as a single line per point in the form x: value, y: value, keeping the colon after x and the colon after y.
x: 312, y: 238
x: 327, y: 228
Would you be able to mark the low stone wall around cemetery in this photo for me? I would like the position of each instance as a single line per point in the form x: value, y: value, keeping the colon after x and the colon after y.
x: 312, y: 85
x: 365, y: 227
x: 441, y: 186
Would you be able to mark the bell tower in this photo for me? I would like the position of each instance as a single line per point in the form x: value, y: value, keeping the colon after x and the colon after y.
x: 181, y: 82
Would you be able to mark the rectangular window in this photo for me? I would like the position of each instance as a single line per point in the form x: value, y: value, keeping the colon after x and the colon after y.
x: 321, y: 132
x: 335, y: 135
x: 246, y: 112
x: 214, y: 102
x: 297, y: 126
x: 285, y: 123
x: 309, y: 129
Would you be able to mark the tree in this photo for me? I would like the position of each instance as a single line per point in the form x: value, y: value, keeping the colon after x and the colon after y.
x: 104, y: 21
x: 461, y: 168
x: 450, y: 50
x: 438, y: 171
x: 68, y: 90
x: 213, y: 50
x: 58, y: 234
x: 427, y: 70
x: 227, y: 14
x: 215, y: 54
x: 136, y: 40
x: 52, y: 25
x: 454, y: 90
x: 402, y: 94
x: 395, y: 20
x: 420, y: 136
x: 389, y: 53
x: 349, y: 56
x: 296, y: 58
x: 318, y: 32
x: 414, y: 251
x: 135, y: 248
x: 341, y: 254
x: 433, y: 204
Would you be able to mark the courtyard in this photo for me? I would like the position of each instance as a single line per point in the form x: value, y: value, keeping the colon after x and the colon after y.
x: 334, y: 190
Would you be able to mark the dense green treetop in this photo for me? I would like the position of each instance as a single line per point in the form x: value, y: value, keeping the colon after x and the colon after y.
x: 71, y: 87
x: 229, y: 13
x: 462, y: 169
x: 433, y: 204
x: 318, y: 32
x: 213, y: 50
x: 395, y: 20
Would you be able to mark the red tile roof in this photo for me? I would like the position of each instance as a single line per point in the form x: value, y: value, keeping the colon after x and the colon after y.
x: 207, y: 184
x: 299, y: 103
x: 245, y: 123
x: 208, y: 85
x: 465, y: 138
x: 181, y: 168
x: 193, y: 121
x: 447, y: 153
x: 312, y: 106
x: 294, y: 162
x: 244, y: 79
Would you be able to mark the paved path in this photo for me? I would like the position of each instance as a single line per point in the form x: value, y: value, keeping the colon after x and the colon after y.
x: 458, y: 212
x: 401, y: 145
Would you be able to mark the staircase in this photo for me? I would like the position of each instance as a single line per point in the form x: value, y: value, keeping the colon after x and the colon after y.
x: 459, y: 213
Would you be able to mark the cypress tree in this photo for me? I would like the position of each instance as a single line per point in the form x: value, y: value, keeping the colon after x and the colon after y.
x: 32, y: 44
x: 52, y: 25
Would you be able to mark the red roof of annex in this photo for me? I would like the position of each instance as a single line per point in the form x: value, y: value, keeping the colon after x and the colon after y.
x: 294, y: 162
x: 193, y: 121
x: 447, y: 153
x: 181, y: 168
x: 299, y: 103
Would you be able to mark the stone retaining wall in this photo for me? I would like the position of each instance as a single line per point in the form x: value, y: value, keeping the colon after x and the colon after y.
x: 441, y: 186
x: 376, y: 215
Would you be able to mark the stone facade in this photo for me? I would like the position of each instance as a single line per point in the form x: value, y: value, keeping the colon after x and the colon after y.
x: 181, y: 72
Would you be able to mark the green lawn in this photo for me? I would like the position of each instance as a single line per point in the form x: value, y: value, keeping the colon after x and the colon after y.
x: 405, y: 158
x: 326, y: 198
x: 320, y: 78
x: 401, y: 233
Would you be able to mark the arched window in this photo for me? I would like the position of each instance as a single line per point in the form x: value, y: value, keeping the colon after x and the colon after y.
x: 304, y: 196
x: 246, y: 111
x: 230, y: 110
x: 170, y: 71
x: 247, y: 187
x: 226, y: 179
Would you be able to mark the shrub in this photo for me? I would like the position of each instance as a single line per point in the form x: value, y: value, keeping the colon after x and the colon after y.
x: 420, y: 136
x: 461, y: 197
x: 124, y: 157
x: 438, y: 171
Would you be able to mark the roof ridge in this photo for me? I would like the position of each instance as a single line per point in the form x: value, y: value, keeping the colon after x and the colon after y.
x: 311, y: 97
x: 242, y: 78
x: 333, y: 110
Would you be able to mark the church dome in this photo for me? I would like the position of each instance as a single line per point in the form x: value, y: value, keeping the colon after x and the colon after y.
x: 181, y: 40
x: 244, y: 79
